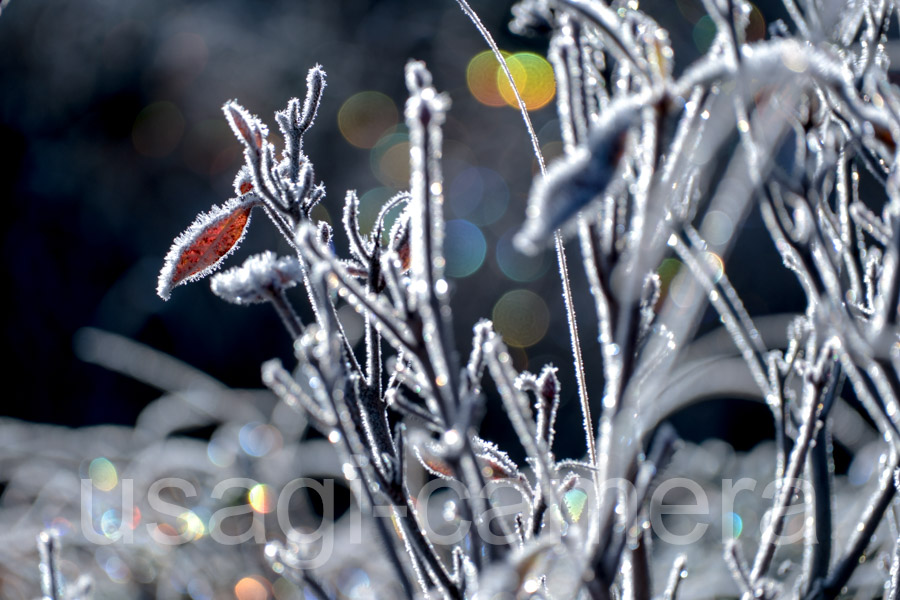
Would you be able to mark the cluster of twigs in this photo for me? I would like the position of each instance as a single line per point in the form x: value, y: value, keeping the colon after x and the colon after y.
x: 803, y: 124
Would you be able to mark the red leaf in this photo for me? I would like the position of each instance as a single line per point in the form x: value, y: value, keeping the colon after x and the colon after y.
x: 433, y: 464
x: 401, y: 242
x: 494, y: 470
x: 211, y: 237
x: 243, y: 181
x: 437, y: 467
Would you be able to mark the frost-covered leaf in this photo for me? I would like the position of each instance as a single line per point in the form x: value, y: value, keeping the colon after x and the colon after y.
x: 574, y: 182
x: 430, y: 455
x: 200, y: 249
x: 260, y: 276
x: 248, y: 128
x: 400, y: 240
x: 496, y: 464
x: 546, y: 393
x: 243, y: 181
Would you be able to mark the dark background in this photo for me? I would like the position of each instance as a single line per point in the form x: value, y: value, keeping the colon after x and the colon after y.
x: 113, y: 140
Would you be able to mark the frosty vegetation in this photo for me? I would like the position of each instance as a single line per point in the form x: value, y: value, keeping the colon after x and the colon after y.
x: 816, y: 122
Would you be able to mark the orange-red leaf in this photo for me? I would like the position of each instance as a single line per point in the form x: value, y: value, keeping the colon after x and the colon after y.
x: 243, y: 181
x: 211, y: 237
x: 437, y: 467
x: 433, y: 463
x: 401, y: 243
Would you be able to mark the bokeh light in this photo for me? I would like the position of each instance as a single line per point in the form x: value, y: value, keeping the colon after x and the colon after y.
x: 481, y: 77
x: 209, y: 147
x: 157, y: 129
x: 550, y: 131
x: 737, y: 525
x: 370, y: 205
x: 703, y: 33
x: 134, y: 519
x: 534, y: 79
x: 667, y: 271
x: 479, y: 195
x: 390, y: 160
x: 575, y: 500
x: 251, y: 588
x: 110, y: 524
x: 103, y: 474
x: 257, y: 439
x: 220, y: 452
x: 63, y: 526
x: 115, y: 568
x: 756, y: 28
x: 684, y: 289
x: 190, y: 525
x: 552, y: 151
x: 716, y: 265
x: 357, y: 585
x: 286, y: 590
x: 464, y: 248
x: 199, y: 588
x: 717, y: 227
x: 262, y: 498
x: 364, y: 117
x: 516, y: 265
x: 521, y: 317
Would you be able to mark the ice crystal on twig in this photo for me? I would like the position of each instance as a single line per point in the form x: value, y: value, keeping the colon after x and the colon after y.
x: 259, y: 278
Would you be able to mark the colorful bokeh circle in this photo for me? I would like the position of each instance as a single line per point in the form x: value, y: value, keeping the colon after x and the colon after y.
x: 521, y: 317
x: 534, y: 80
x: 532, y: 73
x: 464, y: 248
x: 365, y: 117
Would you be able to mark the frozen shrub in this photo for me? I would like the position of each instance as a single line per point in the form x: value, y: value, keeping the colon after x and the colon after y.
x: 800, y: 123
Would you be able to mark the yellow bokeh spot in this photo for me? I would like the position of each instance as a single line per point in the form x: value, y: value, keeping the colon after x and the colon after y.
x: 191, y: 525
x: 250, y: 588
x: 552, y: 150
x: 394, y: 165
x: 262, y: 499
x: 103, y: 474
x: 521, y: 317
x: 534, y: 80
x: 756, y: 29
x: 365, y: 117
x: 481, y: 77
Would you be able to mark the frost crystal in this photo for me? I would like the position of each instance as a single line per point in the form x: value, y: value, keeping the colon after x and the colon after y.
x: 258, y: 279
